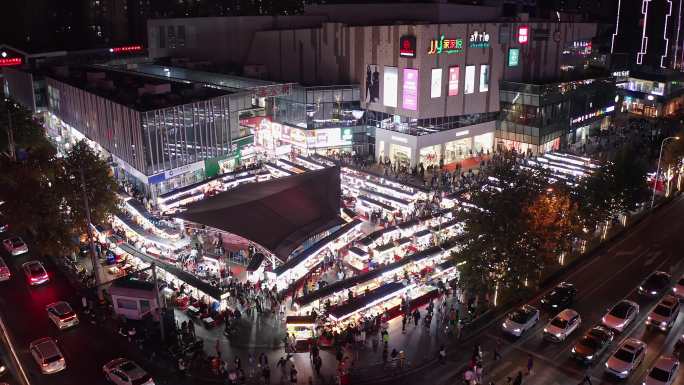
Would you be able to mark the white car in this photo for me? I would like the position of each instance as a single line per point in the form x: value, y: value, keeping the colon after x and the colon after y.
x: 678, y: 288
x: 521, y: 320
x: 15, y: 246
x: 663, y: 372
x: 562, y: 325
x: 121, y: 371
x: 35, y: 273
x: 47, y: 355
x: 62, y: 315
x: 626, y: 358
x: 664, y: 314
x: 621, y: 315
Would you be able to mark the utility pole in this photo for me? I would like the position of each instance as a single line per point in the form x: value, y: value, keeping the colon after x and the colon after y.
x: 93, y: 251
x: 162, y: 309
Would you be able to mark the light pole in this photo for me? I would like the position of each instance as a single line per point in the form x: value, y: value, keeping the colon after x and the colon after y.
x: 655, y: 181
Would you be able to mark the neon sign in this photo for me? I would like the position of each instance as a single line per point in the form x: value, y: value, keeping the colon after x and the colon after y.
x: 129, y: 48
x: 10, y: 61
x: 478, y: 40
x: 443, y: 45
x: 523, y: 34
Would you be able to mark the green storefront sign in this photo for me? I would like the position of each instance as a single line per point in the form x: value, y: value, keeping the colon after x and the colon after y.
x: 212, y: 166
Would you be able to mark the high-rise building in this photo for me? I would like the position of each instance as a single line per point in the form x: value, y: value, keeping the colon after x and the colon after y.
x: 648, y: 35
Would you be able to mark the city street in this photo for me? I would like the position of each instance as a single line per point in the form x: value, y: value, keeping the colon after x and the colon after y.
x: 654, y: 244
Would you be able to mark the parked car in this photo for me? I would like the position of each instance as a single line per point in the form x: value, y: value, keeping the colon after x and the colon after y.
x: 47, y: 355
x: 593, y: 344
x: 561, y: 297
x: 621, y: 315
x: 562, y: 325
x: 5, y: 272
x: 121, y: 371
x: 62, y: 315
x: 664, y: 314
x: 520, y: 320
x: 663, y: 372
x: 678, y: 288
x: 626, y: 358
x: 15, y: 246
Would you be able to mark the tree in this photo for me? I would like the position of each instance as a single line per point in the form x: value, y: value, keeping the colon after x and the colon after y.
x: 629, y: 188
x: 553, y: 221
x: 42, y: 193
x: 595, y: 200
x: 82, y: 165
x: 25, y: 130
x: 497, y: 246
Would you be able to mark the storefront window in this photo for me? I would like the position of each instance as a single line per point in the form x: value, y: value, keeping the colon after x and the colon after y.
x: 400, y: 154
x: 483, y: 143
x: 457, y: 150
x: 430, y: 156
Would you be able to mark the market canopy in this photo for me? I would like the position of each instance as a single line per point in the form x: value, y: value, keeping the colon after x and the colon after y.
x: 278, y: 214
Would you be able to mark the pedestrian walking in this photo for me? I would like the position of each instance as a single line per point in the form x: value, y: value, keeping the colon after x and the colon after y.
x: 587, y: 376
x: 181, y: 367
x: 530, y: 364
x: 518, y: 378
x: 317, y: 362
x: 403, y: 324
x: 416, y: 317
x: 497, y: 349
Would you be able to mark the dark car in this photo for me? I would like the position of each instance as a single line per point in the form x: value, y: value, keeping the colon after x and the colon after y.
x: 656, y: 284
x: 590, y: 347
x: 560, y: 298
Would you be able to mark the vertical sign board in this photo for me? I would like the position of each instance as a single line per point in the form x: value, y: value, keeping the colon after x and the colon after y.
x: 389, y: 88
x: 453, y: 80
x: 436, y: 83
x: 409, y: 97
x: 513, y: 57
x: 407, y: 46
x: 523, y: 34
x: 469, y: 80
x: 484, y: 78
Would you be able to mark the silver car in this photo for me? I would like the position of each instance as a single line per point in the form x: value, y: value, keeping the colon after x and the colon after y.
x: 62, y: 315
x: 621, y: 315
x: 47, y: 355
x: 121, y: 371
x: 520, y: 320
x: 664, y: 314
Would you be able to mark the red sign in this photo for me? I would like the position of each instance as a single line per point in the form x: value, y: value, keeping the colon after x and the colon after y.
x: 407, y: 46
x: 10, y: 61
x: 453, y: 81
x: 523, y: 34
x: 129, y: 48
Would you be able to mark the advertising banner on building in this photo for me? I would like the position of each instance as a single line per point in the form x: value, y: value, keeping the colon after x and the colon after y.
x: 372, y: 84
x: 409, y: 96
x: 484, y: 78
x: 436, y: 83
x: 454, y: 73
x: 469, y: 80
x: 390, y: 85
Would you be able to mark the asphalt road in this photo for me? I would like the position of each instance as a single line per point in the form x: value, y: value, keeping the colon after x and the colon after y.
x: 654, y: 244
x: 85, y: 347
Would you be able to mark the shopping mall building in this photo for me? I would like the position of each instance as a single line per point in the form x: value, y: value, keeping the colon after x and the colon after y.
x: 429, y: 83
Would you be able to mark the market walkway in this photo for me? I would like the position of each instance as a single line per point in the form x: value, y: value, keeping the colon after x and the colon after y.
x: 265, y: 333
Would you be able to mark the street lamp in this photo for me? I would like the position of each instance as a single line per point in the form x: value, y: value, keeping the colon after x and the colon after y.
x: 655, y: 181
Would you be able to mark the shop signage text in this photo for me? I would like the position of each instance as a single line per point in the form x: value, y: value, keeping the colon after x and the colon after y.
x: 128, y: 48
x: 523, y: 34
x: 478, y: 40
x: 407, y: 46
x: 513, y: 57
x: 399, y: 139
x: 462, y: 133
x: 595, y: 114
x: 447, y: 46
x: 10, y: 61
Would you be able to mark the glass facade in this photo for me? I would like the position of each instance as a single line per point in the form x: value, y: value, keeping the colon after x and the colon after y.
x: 319, y: 107
x: 413, y: 126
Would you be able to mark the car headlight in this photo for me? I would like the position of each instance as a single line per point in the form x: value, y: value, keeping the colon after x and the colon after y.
x: 573, y: 349
x: 503, y: 325
x: 554, y: 305
x: 607, y: 365
x: 590, y: 357
x: 648, y: 318
x: 663, y: 324
x: 2, y: 368
x: 625, y: 372
x: 546, y: 330
x: 654, y: 292
x: 516, y: 330
x: 641, y: 288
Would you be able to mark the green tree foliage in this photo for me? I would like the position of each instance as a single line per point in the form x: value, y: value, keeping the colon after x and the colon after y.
x: 497, y: 246
x: 26, y: 131
x: 628, y: 188
x: 42, y: 193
